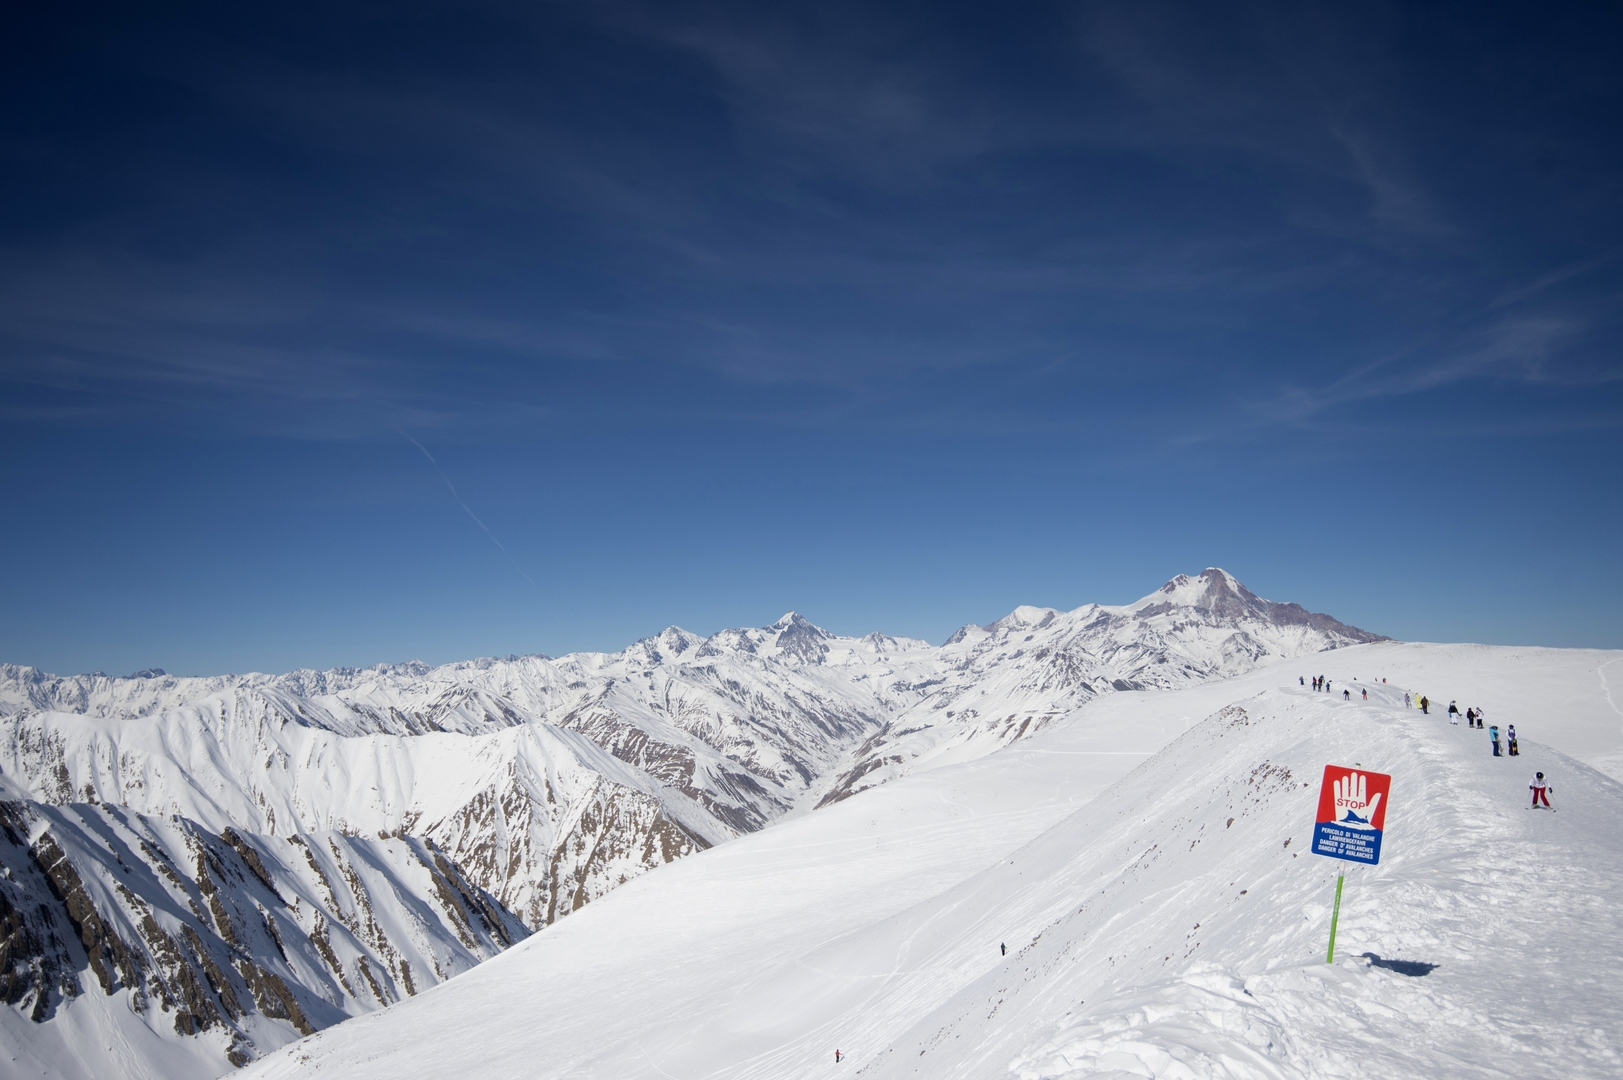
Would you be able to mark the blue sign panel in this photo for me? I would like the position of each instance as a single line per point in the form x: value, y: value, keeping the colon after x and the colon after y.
x: 1340, y: 842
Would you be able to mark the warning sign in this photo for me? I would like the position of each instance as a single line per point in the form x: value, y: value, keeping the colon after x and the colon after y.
x: 1352, y: 814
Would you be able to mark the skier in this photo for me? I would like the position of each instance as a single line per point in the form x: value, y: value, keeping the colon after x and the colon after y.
x: 1301, y: 680
x: 1510, y: 741
x: 1493, y: 733
x: 1425, y: 704
x: 1479, y: 715
x: 836, y: 1057
x: 1453, y: 712
x: 1366, y: 693
x: 1407, y: 704
x: 1470, y: 717
x: 1346, y: 695
x: 1540, y: 792
x: 1327, y: 686
x: 1004, y: 948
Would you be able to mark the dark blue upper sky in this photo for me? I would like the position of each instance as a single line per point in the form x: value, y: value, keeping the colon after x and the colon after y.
x: 897, y: 315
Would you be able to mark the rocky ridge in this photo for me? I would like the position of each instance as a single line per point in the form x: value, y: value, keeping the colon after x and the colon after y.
x: 229, y: 942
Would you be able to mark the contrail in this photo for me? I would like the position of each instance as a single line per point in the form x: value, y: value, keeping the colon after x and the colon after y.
x: 466, y: 507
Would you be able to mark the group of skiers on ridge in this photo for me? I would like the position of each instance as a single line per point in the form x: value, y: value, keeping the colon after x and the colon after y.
x: 1473, y: 718
x: 1322, y: 683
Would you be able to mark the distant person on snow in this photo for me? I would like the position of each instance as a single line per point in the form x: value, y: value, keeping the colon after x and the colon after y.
x: 1407, y: 704
x: 1510, y: 741
x: 1454, y: 718
x: 1425, y: 704
x: 1366, y: 693
x: 1493, y: 733
x: 1346, y: 695
x: 836, y: 1057
x: 1301, y: 680
x: 1004, y: 948
x: 1470, y: 718
x: 1540, y: 792
x: 1479, y: 715
x: 1453, y: 712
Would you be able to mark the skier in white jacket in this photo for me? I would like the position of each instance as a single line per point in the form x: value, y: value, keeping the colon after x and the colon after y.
x: 1541, y: 790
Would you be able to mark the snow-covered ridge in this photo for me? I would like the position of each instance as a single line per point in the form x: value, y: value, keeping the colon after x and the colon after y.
x: 544, y: 784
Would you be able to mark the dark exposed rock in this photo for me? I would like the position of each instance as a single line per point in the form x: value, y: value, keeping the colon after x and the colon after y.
x: 201, y: 951
x: 251, y: 857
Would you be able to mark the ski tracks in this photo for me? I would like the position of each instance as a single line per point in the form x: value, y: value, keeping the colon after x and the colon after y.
x: 1600, y: 669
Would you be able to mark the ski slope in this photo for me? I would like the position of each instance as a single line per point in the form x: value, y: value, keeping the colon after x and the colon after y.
x: 1145, y: 861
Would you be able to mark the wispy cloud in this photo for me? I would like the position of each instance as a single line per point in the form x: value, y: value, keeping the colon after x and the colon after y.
x: 1528, y: 349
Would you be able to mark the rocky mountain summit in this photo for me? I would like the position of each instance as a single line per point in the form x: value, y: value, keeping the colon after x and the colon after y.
x: 407, y: 821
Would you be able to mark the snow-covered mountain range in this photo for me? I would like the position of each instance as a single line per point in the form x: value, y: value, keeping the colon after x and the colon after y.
x: 1132, y: 893
x: 409, y: 821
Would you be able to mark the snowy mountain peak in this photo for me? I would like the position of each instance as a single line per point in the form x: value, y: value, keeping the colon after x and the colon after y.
x: 1024, y: 617
x: 1212, y: 586
x: 1217, y: 599
x: 673, y: 641
x: 801, y: 639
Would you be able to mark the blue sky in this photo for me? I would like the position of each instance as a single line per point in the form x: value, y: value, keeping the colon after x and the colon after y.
x: 895, y: 315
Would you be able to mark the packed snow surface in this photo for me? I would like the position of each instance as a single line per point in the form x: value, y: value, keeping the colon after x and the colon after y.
x: 1145, y: 861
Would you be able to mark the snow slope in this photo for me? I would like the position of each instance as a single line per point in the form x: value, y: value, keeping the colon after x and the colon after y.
x: 1172, y: 926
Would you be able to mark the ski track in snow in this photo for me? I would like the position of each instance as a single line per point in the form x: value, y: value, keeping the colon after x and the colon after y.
x: 1600, y: 669
x: 1173, y: 927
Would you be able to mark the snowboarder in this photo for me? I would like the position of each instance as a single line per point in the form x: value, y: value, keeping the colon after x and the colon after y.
x: 1425, y: 704
x: 1453, y: 712
x: 1540, y: 792
x: 1510, y: 741
x: 1493, y: 733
